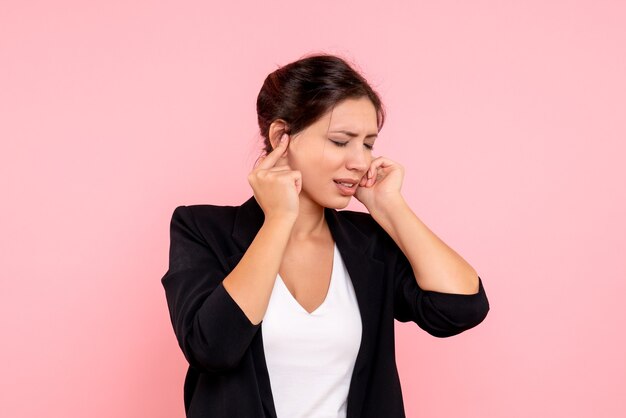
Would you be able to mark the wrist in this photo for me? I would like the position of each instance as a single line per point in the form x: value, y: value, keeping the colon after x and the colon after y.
x: 388, y: 206
x: 286, y: 221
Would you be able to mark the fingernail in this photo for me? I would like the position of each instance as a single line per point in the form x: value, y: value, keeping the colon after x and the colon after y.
x: 283, y: 138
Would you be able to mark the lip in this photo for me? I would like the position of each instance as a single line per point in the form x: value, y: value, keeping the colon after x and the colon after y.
x: 346, y: 191
x: 347, y: 180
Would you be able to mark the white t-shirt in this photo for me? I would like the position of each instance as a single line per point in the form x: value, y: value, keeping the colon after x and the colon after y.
x: 310, y: 356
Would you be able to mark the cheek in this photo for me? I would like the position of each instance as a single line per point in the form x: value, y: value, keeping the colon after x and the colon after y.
x: 316, y: 161
x: 308, y: 167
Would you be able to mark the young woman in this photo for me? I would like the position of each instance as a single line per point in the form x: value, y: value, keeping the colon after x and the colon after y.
x: 284, y: 306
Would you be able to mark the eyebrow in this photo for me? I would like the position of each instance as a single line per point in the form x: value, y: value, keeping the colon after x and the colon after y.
x: 353, y: 134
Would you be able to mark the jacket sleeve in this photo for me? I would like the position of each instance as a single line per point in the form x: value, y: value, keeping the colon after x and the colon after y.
x: 212, y: 330
x: 439, y: 314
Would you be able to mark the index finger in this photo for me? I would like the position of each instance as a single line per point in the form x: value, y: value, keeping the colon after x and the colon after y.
x: 271, y: 158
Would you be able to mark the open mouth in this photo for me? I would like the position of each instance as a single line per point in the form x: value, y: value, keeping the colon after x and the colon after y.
x: 348, y: 185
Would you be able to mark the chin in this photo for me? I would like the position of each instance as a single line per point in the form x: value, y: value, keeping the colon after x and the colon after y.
x: 330, y: 199
x: 338, y: 203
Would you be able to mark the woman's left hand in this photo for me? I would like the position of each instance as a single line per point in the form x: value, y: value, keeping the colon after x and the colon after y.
x: 382, y: 186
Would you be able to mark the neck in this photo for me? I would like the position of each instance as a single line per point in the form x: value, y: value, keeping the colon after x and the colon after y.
x: 310, y: 223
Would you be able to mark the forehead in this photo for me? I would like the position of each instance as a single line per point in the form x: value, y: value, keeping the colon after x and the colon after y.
x: 356, y: 115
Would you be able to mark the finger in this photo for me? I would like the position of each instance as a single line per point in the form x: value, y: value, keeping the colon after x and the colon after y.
x: 372, y: 169
x: 372, y: 174
x: 292, y: 177
x: 379, y: 169
x: 279, y: 168
x: 298, y: 182
x: 271, y: 158
x: 379, y: 163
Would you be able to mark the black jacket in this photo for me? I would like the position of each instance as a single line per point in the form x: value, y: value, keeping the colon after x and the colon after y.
x: 228, y: 376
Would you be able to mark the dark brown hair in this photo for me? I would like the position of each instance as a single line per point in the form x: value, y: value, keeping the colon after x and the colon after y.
x: 303, y: 91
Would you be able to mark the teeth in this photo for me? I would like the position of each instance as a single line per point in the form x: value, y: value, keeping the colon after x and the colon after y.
x: 349, y: 185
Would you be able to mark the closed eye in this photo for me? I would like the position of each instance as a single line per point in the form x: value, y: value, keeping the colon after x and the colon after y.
x: 343, y: 144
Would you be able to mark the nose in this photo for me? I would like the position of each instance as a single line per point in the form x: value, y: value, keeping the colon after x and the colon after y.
x: 358, y: 160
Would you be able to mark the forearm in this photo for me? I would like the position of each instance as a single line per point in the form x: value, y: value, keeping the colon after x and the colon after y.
x: 251, y: 282
x: 437, y: 267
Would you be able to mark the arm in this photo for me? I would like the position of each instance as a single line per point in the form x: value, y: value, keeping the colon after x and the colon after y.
x: 211, y: 327
x: 251, y: 281
x: 436, y: 266
x: 433, y: 285
x: 444, y: 302
x: 439, y: 314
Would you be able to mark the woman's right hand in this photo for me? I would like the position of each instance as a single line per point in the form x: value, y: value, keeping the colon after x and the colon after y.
x: 276, y: 186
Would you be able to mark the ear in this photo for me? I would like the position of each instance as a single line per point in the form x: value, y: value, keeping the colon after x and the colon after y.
x: 277, y: 129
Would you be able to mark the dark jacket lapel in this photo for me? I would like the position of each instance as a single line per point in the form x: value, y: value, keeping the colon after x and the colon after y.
x: 366, y: 273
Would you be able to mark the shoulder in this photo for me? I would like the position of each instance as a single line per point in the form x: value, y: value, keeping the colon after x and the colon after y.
x: 205, y: 217
x: 209, y: 213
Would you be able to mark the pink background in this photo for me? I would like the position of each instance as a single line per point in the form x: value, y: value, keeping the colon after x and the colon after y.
x: 509, y: 118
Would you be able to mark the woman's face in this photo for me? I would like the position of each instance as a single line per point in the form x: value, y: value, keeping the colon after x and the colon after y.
x: 337, y: 146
